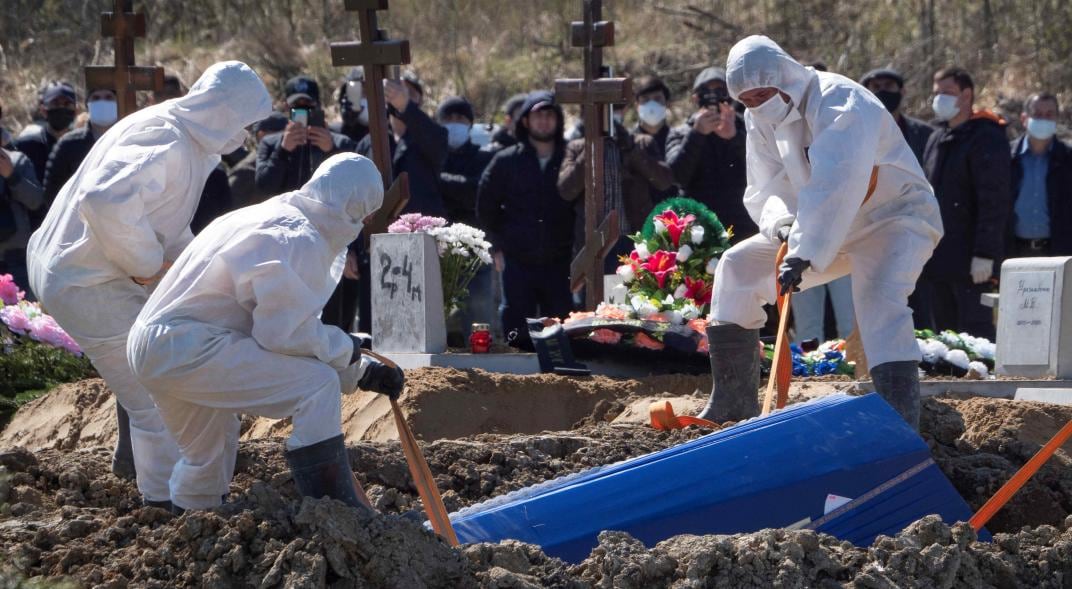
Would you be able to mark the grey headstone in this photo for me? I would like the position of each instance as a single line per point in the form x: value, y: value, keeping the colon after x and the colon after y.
x: 407, y: 294
x: 1034, y: 336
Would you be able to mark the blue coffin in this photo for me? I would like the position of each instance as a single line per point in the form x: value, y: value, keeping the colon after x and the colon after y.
x: 769, y: 472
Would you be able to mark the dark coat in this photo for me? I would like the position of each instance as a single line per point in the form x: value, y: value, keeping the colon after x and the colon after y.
x: 421, y: 153
x: 916, y: 133
x: 215, y: 200
x: 37, y: 146
x: 1059, y: 190
x: 656, y: 148
x: 712, y: 170
x: 66, y: 156
x: 459, y: 180
x: 969, y: 168
x: 279, y: 170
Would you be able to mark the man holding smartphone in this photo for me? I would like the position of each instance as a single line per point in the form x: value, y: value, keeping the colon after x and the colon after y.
x: 287, y: 160
x: 707, y: 153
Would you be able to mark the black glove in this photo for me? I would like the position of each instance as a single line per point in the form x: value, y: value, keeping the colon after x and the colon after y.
x: 360, y: 340
x: 789, y: 274
x: 383, y: 379
x: 783, y: 233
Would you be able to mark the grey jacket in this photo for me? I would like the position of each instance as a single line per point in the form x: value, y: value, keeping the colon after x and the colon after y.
x: 19, y: 194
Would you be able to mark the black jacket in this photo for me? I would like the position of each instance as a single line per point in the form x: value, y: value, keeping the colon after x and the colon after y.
x: 656, y: 149
x: 66, y: 156
x: 215, y: 200
x: 279, y: 170
x: 500, y: 141
x: 969, y: 168
x: 916, y: 133
x: 421, y: 153
x: 37, y: 146
x: 459, y: 180
x: 712, y: 170
x: 1059, y: 190
x: 356, y: 131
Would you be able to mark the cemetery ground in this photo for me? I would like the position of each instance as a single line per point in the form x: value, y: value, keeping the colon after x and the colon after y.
x: 66, y: 519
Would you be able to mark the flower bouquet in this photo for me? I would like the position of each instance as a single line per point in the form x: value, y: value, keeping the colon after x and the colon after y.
x: 667, y: 280
x: 36, y: 352
x: 462, y: 251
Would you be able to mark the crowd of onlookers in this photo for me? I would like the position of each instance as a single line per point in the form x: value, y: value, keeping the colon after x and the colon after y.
x: 521, y: 181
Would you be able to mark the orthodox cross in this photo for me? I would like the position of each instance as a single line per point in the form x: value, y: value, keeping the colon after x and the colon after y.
x: 125, y: 78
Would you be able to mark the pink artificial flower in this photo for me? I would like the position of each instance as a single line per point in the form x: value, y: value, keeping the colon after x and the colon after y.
x: 606, y: 336
x: 575, y: 316
x: 675, y: 225
x: 15, y: 318
x: 612, y: 312
x: 45, y: 330
x: 698, y: 291
x: 9, y: 291
x: 660, y: 264
x: 643, y: 340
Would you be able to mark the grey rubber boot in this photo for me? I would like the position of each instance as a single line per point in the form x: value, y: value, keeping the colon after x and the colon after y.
x: 323, y: 470
x: 123, y: 457
x: 734, y: 353
x: 898, y: 384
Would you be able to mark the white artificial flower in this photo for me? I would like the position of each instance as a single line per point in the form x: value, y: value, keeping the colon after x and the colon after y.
x: 669, y: 300
x: 680, y: 291
x: 676, y: 317
x: 712, y: 264
x: 642, y: 251
x: 636, y: 302
x: 625, y: 271
x: 684, y: 253
x: 958, y: 358
x: 697, y: 234
x: 690, y: 312
x: 977, y: 370
x: 660, y: 227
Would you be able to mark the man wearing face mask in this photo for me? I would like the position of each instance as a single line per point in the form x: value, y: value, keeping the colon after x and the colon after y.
x: 73, y: 147
x: 1041, y: 184
x: 652, y: 131
x: 707, y: 153
x: 829, y: 173
x: 888, y: 85
x: 967, y: 162
x: 58, y: 111
x: 353, y: 106
x: 505, y: 136
x: 118, y: 224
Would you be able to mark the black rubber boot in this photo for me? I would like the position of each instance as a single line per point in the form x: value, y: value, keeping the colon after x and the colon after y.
x: 734, y: 353
x: 898, y: 384
x: 123, y: 458
x: 165, y: 504
x: 323, y: 470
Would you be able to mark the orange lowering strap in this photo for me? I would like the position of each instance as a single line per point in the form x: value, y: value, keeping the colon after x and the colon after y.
x: 663, y: 418
x: 1018, y: 480
x: 418, y: 468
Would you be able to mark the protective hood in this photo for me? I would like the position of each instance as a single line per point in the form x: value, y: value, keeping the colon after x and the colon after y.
x: 758, y: 62
x: 225, y: 100
x: 344, y: 190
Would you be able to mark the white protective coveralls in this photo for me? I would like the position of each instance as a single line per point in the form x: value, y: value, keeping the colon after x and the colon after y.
x: 814, y: 167
x: 234, y: 327
x: 124, y: 213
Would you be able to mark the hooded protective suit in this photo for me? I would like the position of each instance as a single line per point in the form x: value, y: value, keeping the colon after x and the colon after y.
x: 814, y: 167
x: 234, y: 327
x: 126, y: 212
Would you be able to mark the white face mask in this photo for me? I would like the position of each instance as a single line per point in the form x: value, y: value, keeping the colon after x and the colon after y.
x: 773, y: 111
x: 652, y: 113
x: 362, y: 117
x: 355, y: 94
x: 103, y: 112
x: 234, y: 143
x: 945, y: 107
x: 1041, y: 129
x: 457, y: 134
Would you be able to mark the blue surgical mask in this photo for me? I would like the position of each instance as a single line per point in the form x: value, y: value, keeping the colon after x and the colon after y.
x: 103, y: 112
x: 457, y: 134
x: 1041, y: 129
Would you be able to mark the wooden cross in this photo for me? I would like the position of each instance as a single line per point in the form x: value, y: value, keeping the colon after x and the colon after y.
x: 375, y: 52
x: 593, y: 93
x: 125, y: 78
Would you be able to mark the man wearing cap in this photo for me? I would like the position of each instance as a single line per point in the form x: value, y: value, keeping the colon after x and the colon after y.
x: 829, y: 174
x: 707, y: 153
x: 353, y: 106
x: 72, y: 148
x: 505, y: 137
x: 418, y: 144
x: 529, y: 224
x: 287, y: 160
x: 888, y: 85
x: 57, y: 108
x: 243, y: 175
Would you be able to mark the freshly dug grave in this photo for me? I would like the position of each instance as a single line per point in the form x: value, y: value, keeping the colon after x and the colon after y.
x: 65, y: 515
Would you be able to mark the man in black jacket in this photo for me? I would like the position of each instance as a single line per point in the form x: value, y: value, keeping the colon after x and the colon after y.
x: 707, y: 154
x: 1041, y: 185
x: 72, y: 148
x: 652, y: 105
x: 353, y: 106
x: 287, y: 160
x: 967, y: 162
x: 57, y: 109
x: 529, y: 225
x: 888, y: 85
x: 505, y: 136
x: 465, y: 162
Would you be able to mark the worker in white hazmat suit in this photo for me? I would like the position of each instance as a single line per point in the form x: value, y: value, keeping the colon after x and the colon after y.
x: 118, y: 223
x: 234, y: 328
x: 830, y: 173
